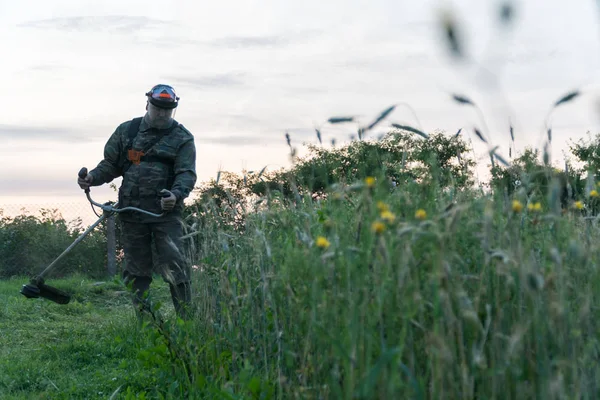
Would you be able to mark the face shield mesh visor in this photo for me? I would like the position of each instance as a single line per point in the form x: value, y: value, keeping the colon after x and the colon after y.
x: 163, y: 96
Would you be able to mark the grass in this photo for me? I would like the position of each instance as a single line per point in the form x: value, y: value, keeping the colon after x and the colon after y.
x: 374, y: 293
x: 79, y: 350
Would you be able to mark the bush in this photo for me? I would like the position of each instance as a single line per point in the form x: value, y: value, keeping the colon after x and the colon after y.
x: 28, y: 244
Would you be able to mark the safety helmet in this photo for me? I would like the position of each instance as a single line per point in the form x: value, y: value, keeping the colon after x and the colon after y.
x: 163, y: 96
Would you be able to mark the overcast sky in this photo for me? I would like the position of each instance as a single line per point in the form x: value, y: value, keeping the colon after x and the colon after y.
x: 248, y: 71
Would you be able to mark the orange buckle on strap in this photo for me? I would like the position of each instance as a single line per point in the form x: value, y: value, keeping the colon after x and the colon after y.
x: 134, y: 156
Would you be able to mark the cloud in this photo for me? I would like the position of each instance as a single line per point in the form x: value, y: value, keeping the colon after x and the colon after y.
x: 410, y: 60
x: 210, y: 81
x: 238, y: 140
x: 297, y: 135
x: 168, y: 42
x: 250, y: 41
x: 54, y: 134
x: 244, y: 119
x: 109, y: 23
x: 24, y: 185
x: 223, y: 43
x: 47, y: 68
x: 126, y: 24
x: 237, y: 42
x: 523, y: 57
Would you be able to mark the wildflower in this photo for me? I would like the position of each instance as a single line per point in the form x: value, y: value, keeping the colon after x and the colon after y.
x: 578, y: 205
x: 535, y: 207
x: 370, y: 181
x: 421, y: 214
x: 378, y: 227
x: 388, y: 216
x: 517, y: 206
x: 382, y: 207
x: 594, y: 193
x: 322, y: 242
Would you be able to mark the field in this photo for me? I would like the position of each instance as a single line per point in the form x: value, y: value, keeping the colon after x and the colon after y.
x: 374, y: 269
x: 373, y: 293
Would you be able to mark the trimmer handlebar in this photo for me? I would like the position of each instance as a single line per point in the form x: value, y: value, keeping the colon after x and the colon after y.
x: 83, y: 172
x: 112, y: 209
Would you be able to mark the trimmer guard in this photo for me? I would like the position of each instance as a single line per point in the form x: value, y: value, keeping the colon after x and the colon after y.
x: 37, y: 288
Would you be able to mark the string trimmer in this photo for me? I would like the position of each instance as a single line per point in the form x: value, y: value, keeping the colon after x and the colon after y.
x: 37, y: 287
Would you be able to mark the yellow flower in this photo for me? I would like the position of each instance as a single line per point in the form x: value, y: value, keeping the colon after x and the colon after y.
x: 517, y: 206
x: 534, y: 206
x: 322, y: 242
x: 388, y: 216
x: 370, y: 181
x: 421, y: 214
x: 378, y: 227
x: 382, y: 207
x: 594, y: 193
x: 578, y: 205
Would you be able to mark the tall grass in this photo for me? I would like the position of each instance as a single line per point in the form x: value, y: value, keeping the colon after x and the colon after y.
x: 408, y: 292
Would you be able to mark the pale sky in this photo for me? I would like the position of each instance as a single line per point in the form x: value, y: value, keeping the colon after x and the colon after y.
x: 248, y: 71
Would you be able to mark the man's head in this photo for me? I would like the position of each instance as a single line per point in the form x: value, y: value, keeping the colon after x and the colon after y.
x: 162, y: 101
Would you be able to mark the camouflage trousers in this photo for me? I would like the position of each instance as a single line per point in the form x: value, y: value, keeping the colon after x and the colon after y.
x: 154, y: 247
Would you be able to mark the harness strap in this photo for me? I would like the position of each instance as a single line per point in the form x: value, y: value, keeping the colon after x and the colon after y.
x: 134, y: 127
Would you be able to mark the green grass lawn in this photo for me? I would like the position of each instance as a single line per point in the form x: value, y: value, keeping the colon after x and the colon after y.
x: 75, y: 351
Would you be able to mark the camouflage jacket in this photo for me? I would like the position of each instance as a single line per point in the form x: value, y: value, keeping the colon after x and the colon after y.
x: 143, y: 182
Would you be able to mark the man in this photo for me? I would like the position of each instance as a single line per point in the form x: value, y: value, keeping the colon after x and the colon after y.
x: 156, y: 156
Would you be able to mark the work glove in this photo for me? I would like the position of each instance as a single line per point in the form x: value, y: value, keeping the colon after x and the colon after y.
x: 86, y: 182
x: 168, y: 200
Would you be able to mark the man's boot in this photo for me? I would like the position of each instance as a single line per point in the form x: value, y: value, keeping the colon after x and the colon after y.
x: 182, y: 299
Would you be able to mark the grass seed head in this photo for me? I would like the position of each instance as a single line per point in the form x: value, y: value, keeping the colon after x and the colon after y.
x: 535, y: 281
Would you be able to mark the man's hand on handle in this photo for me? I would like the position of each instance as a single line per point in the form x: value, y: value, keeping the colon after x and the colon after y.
x: 168, y: 200
x: 84, y: 179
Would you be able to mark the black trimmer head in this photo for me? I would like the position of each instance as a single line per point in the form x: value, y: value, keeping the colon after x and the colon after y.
x: 37, y: 288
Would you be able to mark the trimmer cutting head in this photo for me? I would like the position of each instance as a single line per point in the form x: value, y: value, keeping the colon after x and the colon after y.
x: 37, y: 288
